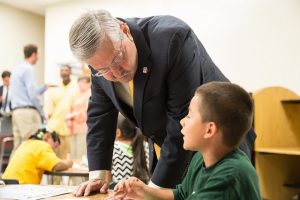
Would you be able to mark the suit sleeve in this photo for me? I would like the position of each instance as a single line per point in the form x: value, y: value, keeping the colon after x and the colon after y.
x: 102, y: 120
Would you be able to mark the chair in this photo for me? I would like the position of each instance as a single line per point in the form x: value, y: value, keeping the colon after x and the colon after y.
x: 6, y: 144
x: 9, y: 181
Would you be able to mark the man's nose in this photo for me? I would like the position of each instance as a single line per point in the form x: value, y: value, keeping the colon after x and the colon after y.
x: 116, y: 71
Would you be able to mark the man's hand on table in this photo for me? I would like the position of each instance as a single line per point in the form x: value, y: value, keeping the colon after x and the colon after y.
x: 90, y: 186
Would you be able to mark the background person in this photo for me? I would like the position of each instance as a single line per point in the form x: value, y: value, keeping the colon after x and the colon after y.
x: 5, y: 104
x: 34, y: 157
x: 131, y: 153
x: 27, y: 111
x: 57, y: 106
x: 77, y: 117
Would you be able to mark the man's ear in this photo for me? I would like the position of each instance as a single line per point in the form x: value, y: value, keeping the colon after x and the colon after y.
x: 125, y: 29
x: 211, y: 130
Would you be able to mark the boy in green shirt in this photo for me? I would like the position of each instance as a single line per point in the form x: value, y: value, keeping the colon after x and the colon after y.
x: 220, y: 115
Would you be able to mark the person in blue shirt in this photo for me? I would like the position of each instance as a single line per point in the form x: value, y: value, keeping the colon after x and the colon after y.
x: 27, y: 111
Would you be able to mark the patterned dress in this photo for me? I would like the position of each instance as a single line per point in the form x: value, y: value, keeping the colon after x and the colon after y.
x: 122, y: 161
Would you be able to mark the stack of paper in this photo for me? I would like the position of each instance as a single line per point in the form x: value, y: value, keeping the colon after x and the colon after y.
x: 31, y: 192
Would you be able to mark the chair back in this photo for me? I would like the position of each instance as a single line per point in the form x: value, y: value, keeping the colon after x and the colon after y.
x: 9, y: 181
x: 6, y: 147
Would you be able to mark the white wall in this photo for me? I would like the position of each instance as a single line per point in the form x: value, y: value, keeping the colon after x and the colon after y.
x: 19, y: 28
x: 255, y: 43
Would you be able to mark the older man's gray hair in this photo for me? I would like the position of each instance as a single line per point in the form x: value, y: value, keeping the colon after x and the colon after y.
x: 90, y: 30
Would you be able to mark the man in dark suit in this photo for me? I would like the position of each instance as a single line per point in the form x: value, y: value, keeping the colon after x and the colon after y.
x: 5, y: 104
x: 165, y: 62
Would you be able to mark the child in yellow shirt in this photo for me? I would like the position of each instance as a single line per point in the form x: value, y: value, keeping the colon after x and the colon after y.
x: 34, y: 157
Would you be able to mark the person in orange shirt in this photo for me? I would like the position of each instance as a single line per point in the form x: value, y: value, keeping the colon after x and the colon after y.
x: 76, y: 119
x: 34, y: 157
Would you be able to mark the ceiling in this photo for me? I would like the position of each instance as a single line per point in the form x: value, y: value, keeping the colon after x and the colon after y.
x: 34, y: 6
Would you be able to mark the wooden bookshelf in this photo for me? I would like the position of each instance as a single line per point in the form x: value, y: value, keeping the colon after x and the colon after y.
x: 277, y: 147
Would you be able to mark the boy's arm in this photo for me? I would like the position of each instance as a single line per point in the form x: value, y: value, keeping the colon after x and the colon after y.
x: 133, y: 188
x: 62, y: 165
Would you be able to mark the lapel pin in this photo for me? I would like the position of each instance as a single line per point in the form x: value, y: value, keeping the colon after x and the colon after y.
x: 145, y: 70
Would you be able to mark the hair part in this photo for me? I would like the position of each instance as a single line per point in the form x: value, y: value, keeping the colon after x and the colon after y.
x: 230, y: 107
x: 29, y: 50
x: 129, y: 131
x: 90, y: 30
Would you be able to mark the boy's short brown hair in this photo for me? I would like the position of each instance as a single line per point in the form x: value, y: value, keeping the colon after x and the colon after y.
x: 229, y: 106
x: 29, y: 50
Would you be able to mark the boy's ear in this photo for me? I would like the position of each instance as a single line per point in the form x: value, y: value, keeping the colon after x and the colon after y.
x: 211, y: 130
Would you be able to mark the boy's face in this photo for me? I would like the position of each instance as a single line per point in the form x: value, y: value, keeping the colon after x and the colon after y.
x: 193, y: 127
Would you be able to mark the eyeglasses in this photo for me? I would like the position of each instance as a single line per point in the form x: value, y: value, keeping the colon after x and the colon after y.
x: 117, y: 60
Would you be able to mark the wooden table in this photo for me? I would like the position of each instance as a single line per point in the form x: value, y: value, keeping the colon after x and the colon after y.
x: 70, y: 172
x: 71, y: 197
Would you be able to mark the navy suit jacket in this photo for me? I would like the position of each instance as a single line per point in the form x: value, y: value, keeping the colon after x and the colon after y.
x: 3, y: 98
x: 1, y: 93
x: 176, y: 64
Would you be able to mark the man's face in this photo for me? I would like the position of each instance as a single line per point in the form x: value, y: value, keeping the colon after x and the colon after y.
x: 35, y: 58
x: 193, y: 127
x: 5, y: 81
x: 117, y: 61
x: 65, y: 72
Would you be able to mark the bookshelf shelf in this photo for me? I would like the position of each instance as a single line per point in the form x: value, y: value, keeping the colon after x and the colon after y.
x: 280, y: 150
x: 291, y: 101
